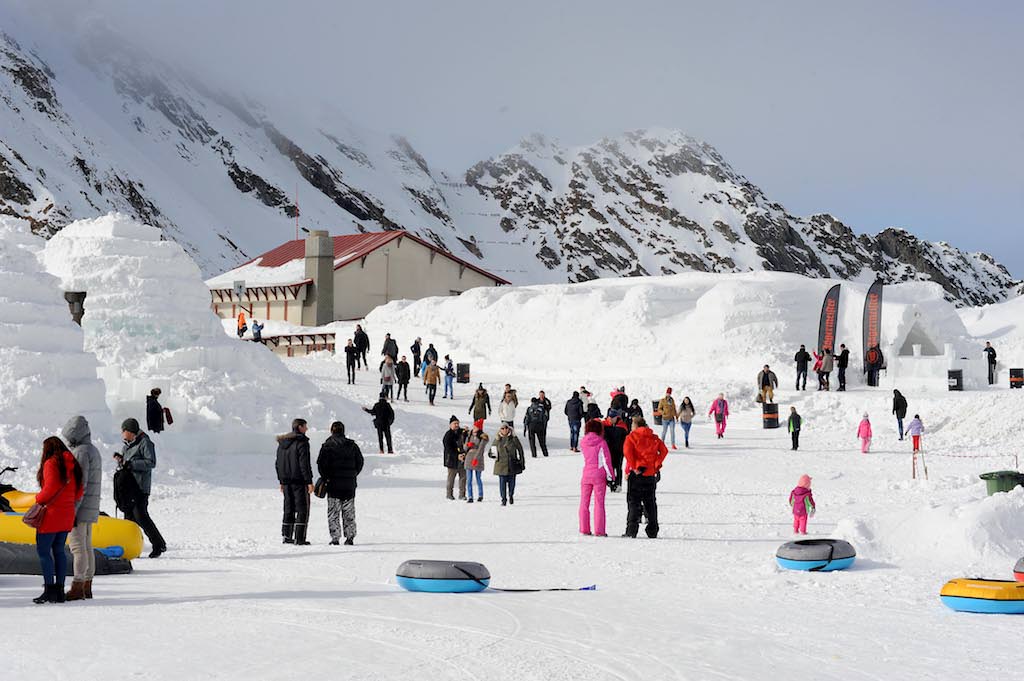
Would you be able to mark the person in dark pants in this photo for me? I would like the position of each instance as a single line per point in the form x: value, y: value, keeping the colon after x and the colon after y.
x: 339, y: 464
x: 417, y: 353
x: 843, y: 361
x: 403, y: 376
x: 535, y: 423
x: 990, y: 354
x: 390, y: 348
x: 795, y: 421
x: 139, y: 457
x: 295, y: 477
x: 362, y: 342
x: 873, y: 361
x: 574, y: 413
x: 154, y: 412
x: 644, y: 453
x: 383, y: 417
x: 802, y: 359
x: 899, y: 408
x: 351, y: 361
x: 615, y: 433
x: 454, y: 442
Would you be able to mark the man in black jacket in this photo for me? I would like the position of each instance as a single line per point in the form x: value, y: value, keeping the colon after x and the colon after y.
x: 339, y: 463
x: 403, y: 376
x: 802, y: 359
x: 296, y: 480
x: 454, y: 442
x: 417, y: 356
x: 362, y: 342
x: 351, y: 361
x: 383, y: 417
x: 843, y: 361
x: 390, y: 348
x: 535, y: 424
x: 990, y: 355
x: 154, y: 412
x: 574, y: 413
x: 430, y: 354
x: 615, y: 434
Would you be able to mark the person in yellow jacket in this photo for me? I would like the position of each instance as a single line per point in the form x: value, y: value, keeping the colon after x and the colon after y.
x: 669, y: 414
x: 242, y: 327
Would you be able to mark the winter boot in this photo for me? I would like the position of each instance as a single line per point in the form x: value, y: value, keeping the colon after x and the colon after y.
x: 46, y: 596
x: 58, y: 594
x: 334, y: 542
x: 76, y: 593
x: 300, y: 536
x: 349, y: 541
x: 469, y: 500
x: 87, y: 588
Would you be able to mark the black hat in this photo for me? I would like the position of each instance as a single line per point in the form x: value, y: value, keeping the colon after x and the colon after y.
x: 130, y: 425
x: 453, y: 419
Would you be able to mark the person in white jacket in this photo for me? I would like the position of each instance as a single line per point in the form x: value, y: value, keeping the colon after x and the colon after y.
x: 507, y: 410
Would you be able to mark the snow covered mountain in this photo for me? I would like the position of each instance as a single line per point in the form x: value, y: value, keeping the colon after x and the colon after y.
x: 85, y: 131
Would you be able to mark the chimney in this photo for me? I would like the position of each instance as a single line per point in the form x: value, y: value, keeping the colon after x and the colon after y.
x: 318, y: 308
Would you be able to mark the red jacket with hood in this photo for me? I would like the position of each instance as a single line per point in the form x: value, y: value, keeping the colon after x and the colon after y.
x: 644, y: 450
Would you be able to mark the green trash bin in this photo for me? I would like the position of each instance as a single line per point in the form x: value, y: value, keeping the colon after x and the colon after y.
x: 1002, y: 481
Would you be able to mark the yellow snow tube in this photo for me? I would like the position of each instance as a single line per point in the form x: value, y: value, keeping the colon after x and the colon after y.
x: 20, y: 501
x: 984, y: 595
x: 106, y: 533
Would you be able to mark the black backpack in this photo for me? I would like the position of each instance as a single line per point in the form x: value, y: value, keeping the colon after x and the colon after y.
x: 126, y: 489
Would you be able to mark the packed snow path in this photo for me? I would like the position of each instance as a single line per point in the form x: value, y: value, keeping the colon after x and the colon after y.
x: 703, y: 601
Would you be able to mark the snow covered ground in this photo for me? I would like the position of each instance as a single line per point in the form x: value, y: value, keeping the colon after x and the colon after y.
x: 703, y: 601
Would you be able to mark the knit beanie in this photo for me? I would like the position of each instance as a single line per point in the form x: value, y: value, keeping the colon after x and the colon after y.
x: 453, y: 419
x: 478, y: 424
x: 131, y: 426
x: 804, y: 481
x: 668, y: 391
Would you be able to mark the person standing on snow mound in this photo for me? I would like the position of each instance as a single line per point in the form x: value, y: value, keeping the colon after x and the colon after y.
x: 454, y: 441
x: 403, y: 376
x: 339, y: 464
x: 720, y: 411
x: 597, y: 476
x: 644, y: 453
x: 154, y: 412
x: 476, y: 446
x: 295, y: 479
x: 390, y: 348
x: 139, y: 457
x: 899, y: 409
x: 535, y: 424
x: 351, y: 360
x: 864, y: 433
x: 915, y: 429
x: 795, y: 423
x: 480, y: 408
x: 383, y: 417
x: 362, y: 342
x: 431, y: 377
x: 509, y: 462
x: 767, y: 381
x: 667, y: 410
x: 990, y: 355
x: 802, y: 359
x: 842, y: 361
x: 615, y: 432
x: 574, y: 414
x: 417, y: 356
x: 77, y: 435
x: 802, y: 502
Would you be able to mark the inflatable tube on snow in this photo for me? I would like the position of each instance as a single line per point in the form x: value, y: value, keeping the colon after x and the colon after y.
x: 106, y: 533
x: 984, y: 595
x: 20, y: 501
x: 817, y: 555
x: 442, y: 576
x: 22, y: 559
x: 1018, y: 570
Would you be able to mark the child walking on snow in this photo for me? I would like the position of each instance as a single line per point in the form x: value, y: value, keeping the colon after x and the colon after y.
x: 915, y: 430
x: 802, y: 501
x: 864, y: 433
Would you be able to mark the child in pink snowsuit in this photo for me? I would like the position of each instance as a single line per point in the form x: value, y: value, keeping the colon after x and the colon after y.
x: 802, y: 501
x: 720, y: 410
x: 864, y: 433
x: 597, y: 472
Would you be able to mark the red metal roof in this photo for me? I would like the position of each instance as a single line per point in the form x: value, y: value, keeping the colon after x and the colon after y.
x: 355, y: 246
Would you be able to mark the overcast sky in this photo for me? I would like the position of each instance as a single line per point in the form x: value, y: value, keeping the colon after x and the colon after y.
x: 882, y: 113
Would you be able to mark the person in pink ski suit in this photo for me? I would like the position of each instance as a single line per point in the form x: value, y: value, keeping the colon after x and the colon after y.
x: 720, y: 410
x: 864, y: 433
x: 597, y: 473
x: 802, y: 501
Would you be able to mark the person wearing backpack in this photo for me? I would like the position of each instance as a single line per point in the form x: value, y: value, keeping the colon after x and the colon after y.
x: 339, y: 464
x: 795, y: 423
x: 720, y: 411
x: 139, y: 457
x: 383, y: 417
x: 535, y: 424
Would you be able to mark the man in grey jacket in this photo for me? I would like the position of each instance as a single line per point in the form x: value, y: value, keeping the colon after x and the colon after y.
x: 139, y: 456
x: 76, y: 434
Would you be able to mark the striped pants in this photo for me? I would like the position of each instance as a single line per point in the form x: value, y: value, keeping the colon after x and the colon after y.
x: 341, y: 518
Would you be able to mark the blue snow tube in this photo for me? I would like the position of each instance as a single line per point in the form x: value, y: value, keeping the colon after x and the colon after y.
x: 816, y: 555
x: 442, y: 576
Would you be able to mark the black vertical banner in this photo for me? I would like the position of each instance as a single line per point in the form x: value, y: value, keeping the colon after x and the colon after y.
x: 829, y: 320
x: 873, y: 317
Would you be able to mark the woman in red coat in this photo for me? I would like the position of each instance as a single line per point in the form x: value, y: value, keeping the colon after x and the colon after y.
x: 60, y: 488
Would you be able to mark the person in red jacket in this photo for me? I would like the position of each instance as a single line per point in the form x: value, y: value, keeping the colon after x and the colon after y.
x: 60, y: 488
x: 644, y: 453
